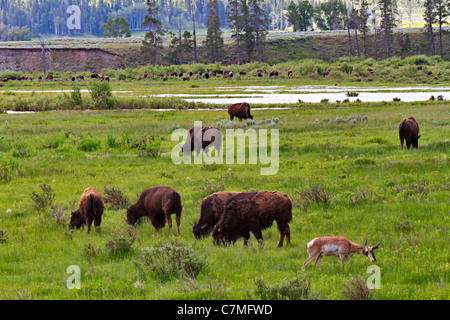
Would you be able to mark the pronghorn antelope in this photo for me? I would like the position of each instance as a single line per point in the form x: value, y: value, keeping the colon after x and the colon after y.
x: 336, y: 246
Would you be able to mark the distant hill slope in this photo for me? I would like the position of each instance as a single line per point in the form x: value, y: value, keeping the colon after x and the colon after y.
x: 75, y: 54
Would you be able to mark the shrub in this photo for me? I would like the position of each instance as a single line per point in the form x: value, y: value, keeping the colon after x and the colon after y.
x: 170, y: 260
x: 58, y: 214
x: 116, y: 198
x: 88, y: 143
x: 121, y: 240
x: 3, y: 236
x: 298, y: 288
x: 316, y: 194
x: 102, y: 97
x: 42, y: 201
x: 356, y: 289
x: 347, y: 68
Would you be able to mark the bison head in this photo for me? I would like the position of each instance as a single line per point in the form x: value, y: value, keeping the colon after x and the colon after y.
x: 218, y: 234
x: 76, y: 219
x: 132, y: 217
x: 198, y: 230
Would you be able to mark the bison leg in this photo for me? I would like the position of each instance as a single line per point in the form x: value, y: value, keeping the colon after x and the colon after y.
x: 97, y: 222
x: 88, y: 223
x: 178, y: 219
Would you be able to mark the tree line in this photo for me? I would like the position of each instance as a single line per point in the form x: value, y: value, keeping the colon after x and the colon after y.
x: 49, y: 17
x: 378, y: 17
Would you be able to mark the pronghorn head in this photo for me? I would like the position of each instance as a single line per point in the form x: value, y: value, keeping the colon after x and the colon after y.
x: 368, y: 251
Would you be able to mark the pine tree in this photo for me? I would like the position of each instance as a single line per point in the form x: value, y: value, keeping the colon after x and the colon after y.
x: 442, y: 11
x: 388, y: 10
x: 429, y: 17
x: 260, y: 25
x: 247, y: 37
x: 214, y: 40
x: 153, y: 38
x: 233, y: 20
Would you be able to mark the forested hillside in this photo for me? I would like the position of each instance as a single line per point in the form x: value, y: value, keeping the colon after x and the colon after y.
x: 49, y: 17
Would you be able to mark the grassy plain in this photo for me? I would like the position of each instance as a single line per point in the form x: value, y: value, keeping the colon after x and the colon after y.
x: 375, y: 191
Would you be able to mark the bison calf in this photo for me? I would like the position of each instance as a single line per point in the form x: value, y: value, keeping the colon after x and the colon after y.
x: 158, y: 203
x: 408, y: 130
x: 253, y: 212
x: 90, y: 209
x: 211, y: 210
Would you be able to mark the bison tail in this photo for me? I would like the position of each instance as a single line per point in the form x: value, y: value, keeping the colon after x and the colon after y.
x: 400, y: 132
x: 93, y: 203
x: 176, y: 203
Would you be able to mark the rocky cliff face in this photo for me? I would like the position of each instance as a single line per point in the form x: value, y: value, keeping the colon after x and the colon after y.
x: 59, y: 59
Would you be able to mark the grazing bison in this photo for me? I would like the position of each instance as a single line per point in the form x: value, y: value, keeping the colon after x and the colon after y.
x: 326, y: 72
x: 186, y: 78
x: 206, y: 75
x: 274, y: 74
x: 199, y: 138
x: 49, y: 77
x: 158, y: 203
x: 408, y: 130
x: 239, y: 110
x: 90, y: 209
x: 218, y: 71
x: 95, y: 75
x: 253, y: 212
x: 369, y: 69
x: 210, y: 212
x: 80, y: 77
x: 72, y: 78
x: 290, y: 73
x: 105, y: 77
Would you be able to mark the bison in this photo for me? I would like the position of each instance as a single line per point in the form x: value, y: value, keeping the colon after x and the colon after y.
x: 274, y: 74
x: 158, y: 203
x: 290, y: 73
x: 80, y: 77
x: 239, y: 110
x: 71, y: 77
x: 105, y: 77
x: 211, y: 210
x: 202, y: 138
x: 95, y: 75
x: 253, y: 212
x: 408, y: 130
x: 90, y: 209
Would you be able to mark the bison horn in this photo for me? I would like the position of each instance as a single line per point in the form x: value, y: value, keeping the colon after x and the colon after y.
x: 203, y: 226
x: 191, y: 224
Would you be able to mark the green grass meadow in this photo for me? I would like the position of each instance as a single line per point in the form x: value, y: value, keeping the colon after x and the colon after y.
x: 349, y: 151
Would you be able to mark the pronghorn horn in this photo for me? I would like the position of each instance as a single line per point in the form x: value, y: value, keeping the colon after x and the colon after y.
x: 376, y: 246
x: 365, y: 244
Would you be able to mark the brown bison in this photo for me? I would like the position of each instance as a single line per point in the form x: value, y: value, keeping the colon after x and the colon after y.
x: 49, y: 77
x: 95, y: 75
x: 105, y: 77
x: 239, y: 110
x: 90, y: 209
x: 158, y: 203
x: 71, y: 77
x: 211, y: 211
x: 199, y: 138
x: 274, y: 74
x: 408, y: 130
x: 80, y: 77
x: 290, y: 73
x: 253, y: 212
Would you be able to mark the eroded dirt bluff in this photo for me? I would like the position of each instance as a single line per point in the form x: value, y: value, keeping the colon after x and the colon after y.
x: 58, y: 59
